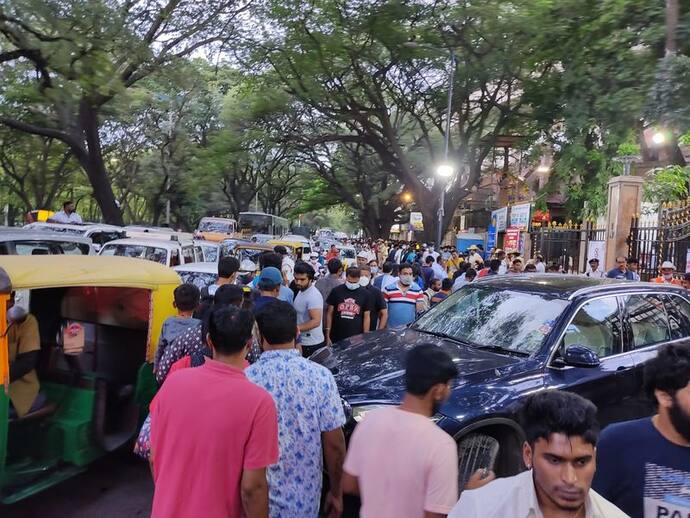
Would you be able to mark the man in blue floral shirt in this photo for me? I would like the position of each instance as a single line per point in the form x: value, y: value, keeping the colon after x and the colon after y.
x: 310, y: 417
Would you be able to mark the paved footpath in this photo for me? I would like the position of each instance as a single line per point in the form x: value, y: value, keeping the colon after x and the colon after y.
x: 118, y: 486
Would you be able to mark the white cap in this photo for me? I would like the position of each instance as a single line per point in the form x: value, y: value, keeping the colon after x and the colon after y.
x: 363, y: 254
x: 247, y: 265
x: 668, y: 264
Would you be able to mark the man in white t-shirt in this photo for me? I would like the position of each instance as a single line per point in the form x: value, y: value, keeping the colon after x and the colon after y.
x: 66, y: 215
x: 423, y: 480
x: 288, y: 266
x: 309, y: 306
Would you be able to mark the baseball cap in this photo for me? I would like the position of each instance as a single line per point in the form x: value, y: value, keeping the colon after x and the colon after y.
x: 271, y: 275
x: 362, y: 254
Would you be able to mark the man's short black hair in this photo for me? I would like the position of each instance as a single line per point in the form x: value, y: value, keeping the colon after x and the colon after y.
x: 427, y: 365
x: 228, y: 294
x: 305, y: 269
x: 471, y: 273
x: 447, y: 284
x: 334, y: 265
x: 405, y: 266
x: 495, y: 264
x: 227, y: 266
x: 186, y: 297
x: 353, y: 272
x: 669, y: 371
x: 230, y: 328
x: 270, y: 259
x: 280, y: 249
x: 277, y: 322
x: 556, y: 411
x: 68, y: 202
x: 388, y: 267
x: 633, y: 260
x: 429, y: 259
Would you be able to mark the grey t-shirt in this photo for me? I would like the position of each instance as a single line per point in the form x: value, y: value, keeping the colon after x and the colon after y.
x: 304, y: 301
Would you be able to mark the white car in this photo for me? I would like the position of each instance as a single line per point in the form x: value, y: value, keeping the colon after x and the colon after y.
x: 98, y: 233
x: 201, y: 275
x: 210, y: 250
x: 169, y: 253
x: 26, y: 242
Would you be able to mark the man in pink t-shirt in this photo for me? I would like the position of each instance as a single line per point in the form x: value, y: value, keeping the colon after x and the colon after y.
x: 422, y: 482
x: 213, y: 432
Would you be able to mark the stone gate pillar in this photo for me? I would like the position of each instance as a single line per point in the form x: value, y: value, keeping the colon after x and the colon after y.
x: 625, y: 200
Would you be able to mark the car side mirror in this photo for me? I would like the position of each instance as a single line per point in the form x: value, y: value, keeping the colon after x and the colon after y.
x: 580, y: 356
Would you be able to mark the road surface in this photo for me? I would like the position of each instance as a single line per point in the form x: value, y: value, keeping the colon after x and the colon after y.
x: 118, y: 486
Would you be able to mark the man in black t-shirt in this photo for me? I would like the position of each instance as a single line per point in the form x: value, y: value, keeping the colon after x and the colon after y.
x: 377, y: 304
x: 643, y: 466
x: 348, y: 309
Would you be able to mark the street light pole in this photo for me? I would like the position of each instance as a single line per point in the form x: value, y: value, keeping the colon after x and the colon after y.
x: 451, y: 78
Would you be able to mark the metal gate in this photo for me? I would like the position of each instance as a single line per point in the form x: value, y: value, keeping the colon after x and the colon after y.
x: 666, y: 240
x: 565, y: 244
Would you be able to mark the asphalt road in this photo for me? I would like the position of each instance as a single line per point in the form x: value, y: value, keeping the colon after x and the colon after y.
x: 117, y: 486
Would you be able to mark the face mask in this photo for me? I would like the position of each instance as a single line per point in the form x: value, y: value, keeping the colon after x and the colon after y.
x: 668, y: 277
x: 352, y: 285
x: 364, y: 281
x: 374, y: 270
x: 406, y: 280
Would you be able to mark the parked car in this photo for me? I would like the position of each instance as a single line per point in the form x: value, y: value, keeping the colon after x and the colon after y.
x: 201, y: 275
x: 98, y: 233
x: 26, y: 242
x: 210, y: 251
x: 216, y: 229
x: 511, y: 336
x: 169, y: 253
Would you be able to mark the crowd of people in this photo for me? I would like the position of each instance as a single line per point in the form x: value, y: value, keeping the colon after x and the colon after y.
x: 244, y: 424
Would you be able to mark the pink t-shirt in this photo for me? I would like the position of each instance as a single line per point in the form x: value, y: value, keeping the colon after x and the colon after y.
x: 404, y: 463
x: 208, y: 424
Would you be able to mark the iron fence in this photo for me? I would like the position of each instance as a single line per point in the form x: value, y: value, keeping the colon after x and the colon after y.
x: 565, y: 245
x: 667, y: 239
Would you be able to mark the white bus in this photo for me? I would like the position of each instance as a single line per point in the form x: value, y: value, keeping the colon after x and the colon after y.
x: 251, y: 223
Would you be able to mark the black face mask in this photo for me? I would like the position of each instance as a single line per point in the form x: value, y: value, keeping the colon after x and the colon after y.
x: 680, y: 419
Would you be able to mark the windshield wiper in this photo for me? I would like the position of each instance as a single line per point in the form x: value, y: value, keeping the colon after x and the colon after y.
x: 440, y: 335
x: 500, y: 349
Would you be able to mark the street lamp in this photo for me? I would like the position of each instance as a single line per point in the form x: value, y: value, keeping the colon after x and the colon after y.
x: 407, y: 197
x: 445, y: 170
x: 659, y: 138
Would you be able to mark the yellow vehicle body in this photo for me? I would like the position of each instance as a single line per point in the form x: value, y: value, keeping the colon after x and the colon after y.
x: 295, y: 248
x: 97, y: 394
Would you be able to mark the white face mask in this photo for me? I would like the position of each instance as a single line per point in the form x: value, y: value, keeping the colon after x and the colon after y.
x: 406, y: 280
x: 352, y: 285
x: 668, y: 277
x: 374, y: 270
x: 364, y: 281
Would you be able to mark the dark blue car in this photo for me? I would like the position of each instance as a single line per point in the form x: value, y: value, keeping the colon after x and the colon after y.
x: 512, y: 336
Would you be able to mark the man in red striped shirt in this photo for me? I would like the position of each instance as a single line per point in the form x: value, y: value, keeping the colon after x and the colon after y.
x: 405, y: 299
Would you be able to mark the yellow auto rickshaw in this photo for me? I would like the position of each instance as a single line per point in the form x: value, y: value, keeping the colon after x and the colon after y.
x: 98, y: 321
x: 296, y: 249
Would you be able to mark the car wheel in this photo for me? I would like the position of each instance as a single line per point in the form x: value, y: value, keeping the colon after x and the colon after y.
x: 475, y: 451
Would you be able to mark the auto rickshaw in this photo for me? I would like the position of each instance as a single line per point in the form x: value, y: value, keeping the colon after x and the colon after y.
x: 99, y: 320
x: 296, y: 249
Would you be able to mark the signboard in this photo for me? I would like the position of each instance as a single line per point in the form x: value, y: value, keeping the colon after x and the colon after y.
x: 519, y: 216
x: 687, y: 262
x: 596, y: 250
x: 416, y: 221
x: 491, y: 238
x: 511, y: 241
x: 499, y: 218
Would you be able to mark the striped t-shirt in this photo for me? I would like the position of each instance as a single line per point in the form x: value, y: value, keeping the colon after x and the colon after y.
x: 402, y: 306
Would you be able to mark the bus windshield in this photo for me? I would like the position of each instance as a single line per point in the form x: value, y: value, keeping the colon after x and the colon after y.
x: 259, y: 223
x: 217, y: 225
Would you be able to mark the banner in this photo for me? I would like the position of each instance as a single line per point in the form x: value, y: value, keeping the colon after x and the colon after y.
x: 499, y: 218
x: 687, y: 262
x: 416, y: 221
x: 491, y: 239
x: 511, y: 241
x: 596, y: 250
x: 519, y: 216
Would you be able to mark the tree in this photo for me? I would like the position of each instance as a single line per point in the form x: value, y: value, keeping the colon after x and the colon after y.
x: 370, y: 72
x: 69, y: 60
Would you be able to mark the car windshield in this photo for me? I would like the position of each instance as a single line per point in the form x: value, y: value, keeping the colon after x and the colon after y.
x: 199, y: 279
x: 210, y: 253
x: 348, y: 253
x: 249, y: 253
x: 492, y: 317
x: 214, y: 226
x: 150, y: 253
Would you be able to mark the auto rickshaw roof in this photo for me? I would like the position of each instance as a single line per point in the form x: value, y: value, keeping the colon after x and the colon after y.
x: 53, y: 271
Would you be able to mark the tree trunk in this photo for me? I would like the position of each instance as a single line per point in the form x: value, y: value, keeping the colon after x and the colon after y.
x: 93, y: 164
x: 672, y: 9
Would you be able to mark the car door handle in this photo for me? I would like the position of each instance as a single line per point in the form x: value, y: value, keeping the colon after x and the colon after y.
x: 624, y: 368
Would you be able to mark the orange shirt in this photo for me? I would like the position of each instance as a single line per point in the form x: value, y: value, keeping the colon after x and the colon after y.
x: 674, y: 282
